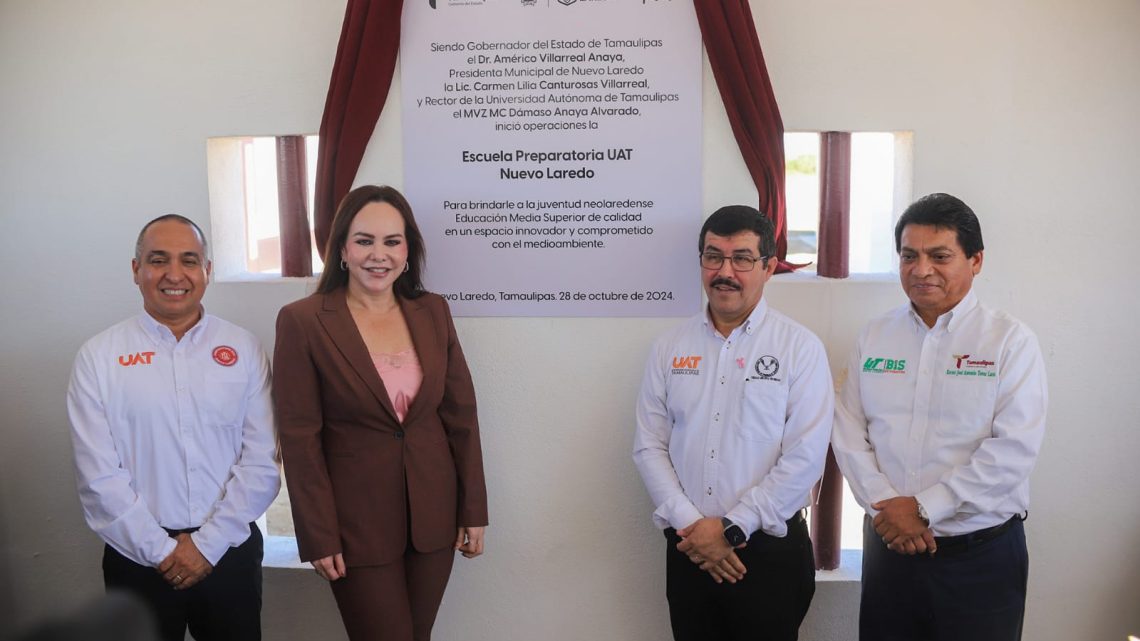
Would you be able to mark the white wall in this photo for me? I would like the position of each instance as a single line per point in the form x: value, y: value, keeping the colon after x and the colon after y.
x: 1024, y: 109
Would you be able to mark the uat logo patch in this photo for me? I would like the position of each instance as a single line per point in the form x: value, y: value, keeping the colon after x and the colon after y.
x: 138, y: 358
x: 225, y: 355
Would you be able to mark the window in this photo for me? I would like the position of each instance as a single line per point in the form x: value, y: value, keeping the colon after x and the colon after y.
x: 877, y: 177
x: 259, y: 185
x: 844, y: 191
x: 801, y: 181
x: 279, y: 516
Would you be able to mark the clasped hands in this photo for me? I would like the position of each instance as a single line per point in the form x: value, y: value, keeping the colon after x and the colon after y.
x: 704, y: 543
x: 185, y: 566
x: 901, y: 528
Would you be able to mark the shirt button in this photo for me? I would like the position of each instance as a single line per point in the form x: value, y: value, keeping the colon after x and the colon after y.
x: 400, y: 435
x: 712, y: 454
x: 710, y: 491
x: 722, y: 380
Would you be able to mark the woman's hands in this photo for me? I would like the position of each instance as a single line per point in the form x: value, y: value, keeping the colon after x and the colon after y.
x: 330, y: 568
x: 469, y: 541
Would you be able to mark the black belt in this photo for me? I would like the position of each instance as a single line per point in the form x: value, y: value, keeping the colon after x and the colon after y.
x: 949, y: 545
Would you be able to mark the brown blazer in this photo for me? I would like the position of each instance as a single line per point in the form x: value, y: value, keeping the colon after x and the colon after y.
x: 346, y: 455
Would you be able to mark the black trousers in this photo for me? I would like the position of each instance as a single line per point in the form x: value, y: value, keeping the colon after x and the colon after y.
x: 767, y: 605
x: 224, y: 606
x: 963, y: 593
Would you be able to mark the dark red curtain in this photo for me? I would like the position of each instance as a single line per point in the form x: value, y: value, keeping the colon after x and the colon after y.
x: 827, y: 515
x: 361, y: 76
x: 738, y: 65
x: 834, y: 203
x: 293, y: 207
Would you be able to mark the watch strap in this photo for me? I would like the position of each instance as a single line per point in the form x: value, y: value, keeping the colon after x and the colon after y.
x: 922, y: 513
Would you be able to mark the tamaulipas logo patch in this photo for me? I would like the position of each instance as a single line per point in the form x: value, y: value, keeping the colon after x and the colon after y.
x: 967, y: 365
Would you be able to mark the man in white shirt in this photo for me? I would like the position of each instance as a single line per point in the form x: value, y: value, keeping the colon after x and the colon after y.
x: 175, y: 453
x: 937, y: 429
x: 733, y: 421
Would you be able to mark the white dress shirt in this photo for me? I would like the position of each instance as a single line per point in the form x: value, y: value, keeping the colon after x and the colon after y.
x: 734, y: 427
x: 174, y: 434
x: 953, y: 415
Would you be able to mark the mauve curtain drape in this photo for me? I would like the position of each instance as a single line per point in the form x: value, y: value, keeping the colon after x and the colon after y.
x: 361, y: 77
x: 827, y: 515
x: 738, y: 66
x: 293, y: 207
x: 834, y: 219
x: 834, y: 203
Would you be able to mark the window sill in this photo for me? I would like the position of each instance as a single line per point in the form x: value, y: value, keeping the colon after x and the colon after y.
x: 281, y: 552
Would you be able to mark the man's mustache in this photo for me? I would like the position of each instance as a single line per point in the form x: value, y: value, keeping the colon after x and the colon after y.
x: 724, y: 281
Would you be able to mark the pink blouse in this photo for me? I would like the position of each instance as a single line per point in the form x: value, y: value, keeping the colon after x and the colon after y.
x: 402, y: 376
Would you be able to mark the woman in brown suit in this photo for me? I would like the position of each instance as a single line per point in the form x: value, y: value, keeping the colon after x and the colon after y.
x: 379, y: 433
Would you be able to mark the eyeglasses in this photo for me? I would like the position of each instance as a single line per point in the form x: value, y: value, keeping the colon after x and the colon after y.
x: 740, y: 262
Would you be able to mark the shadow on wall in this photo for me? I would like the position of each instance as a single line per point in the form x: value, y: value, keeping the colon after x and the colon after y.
x: 7, y: 614
x: 118, y: 616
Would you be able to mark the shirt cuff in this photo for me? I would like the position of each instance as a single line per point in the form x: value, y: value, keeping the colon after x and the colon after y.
x: 678, y: 513
x: 165, y: 550
x: 938, y: 502
x: 212, y: 547
x: 749, y: 521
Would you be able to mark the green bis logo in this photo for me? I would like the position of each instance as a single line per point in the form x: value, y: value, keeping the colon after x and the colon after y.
x: 885, y: 365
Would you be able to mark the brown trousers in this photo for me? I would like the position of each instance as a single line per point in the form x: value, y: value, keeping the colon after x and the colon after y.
x: 397, y: 601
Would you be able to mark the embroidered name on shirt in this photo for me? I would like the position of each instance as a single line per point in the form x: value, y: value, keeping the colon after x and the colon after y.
x: 138, y: 358
x: 875, y: 365
x: 686, y: 365
x: 965, y: 366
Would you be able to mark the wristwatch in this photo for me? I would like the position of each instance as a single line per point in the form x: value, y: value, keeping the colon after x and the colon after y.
x: 733, y: 533
x: 922, y: 513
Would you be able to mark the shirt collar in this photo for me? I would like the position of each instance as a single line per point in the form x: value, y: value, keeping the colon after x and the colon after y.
x: 162, y: 333
x: 951, y: 319
x: 750, y: 324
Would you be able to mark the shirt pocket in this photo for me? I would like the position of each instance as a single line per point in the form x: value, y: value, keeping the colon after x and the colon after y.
x: 223, y: 403
x: 967, y: 408
x: 763, y: 411
x: 888, y: 402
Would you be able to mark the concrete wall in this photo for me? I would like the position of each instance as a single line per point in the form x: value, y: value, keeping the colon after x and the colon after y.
x: 1025, y: 109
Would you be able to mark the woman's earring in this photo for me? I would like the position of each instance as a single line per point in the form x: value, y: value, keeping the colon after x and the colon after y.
x: 406, y: 267
x: 343, y: 265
